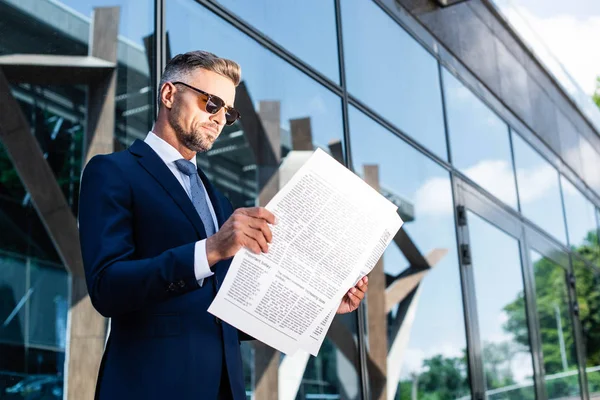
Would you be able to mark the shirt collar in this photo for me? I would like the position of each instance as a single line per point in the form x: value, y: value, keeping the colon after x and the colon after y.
x: 165, y: 151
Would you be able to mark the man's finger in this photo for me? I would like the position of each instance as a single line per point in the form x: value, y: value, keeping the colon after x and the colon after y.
x: 357, y: 293
x: 256, y: 236
x: 259, y: 212
x: 261, y: 225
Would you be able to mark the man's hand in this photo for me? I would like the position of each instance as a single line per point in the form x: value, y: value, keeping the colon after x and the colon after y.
x: 352, y: 299
x: 247, y: 227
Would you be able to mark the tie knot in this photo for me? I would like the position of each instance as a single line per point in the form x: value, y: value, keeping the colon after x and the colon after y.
x: 187, y: 167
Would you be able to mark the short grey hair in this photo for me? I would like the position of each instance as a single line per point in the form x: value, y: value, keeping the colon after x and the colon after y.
x: 182, y: 65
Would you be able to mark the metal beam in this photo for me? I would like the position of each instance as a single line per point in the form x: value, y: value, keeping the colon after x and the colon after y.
x: 42, y: 69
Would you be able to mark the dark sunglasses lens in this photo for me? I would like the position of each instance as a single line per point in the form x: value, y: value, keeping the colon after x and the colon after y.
x: 214, y: 104
x: 231, y: 116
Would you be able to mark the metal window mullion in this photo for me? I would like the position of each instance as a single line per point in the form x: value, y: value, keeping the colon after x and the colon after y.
x: 467, y: 279
x: 224, y: 13
x: 360, y: 319
x: 577, y: 332
x: 531, y: 313
x: 160, y: 46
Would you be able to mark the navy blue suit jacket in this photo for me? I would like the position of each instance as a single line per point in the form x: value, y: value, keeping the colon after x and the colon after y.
x: 138, y: 229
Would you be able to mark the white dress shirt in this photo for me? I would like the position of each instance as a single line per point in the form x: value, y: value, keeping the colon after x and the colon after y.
x: 169, y: 155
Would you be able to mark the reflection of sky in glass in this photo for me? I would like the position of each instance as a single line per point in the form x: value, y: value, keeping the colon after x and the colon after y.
x: 136, y: 18
x: 266, y: 76
x: 407, y: 173
x: 580, y: 214
x: 306, y: 28
x: 498, y: 282
x: 539, y: 191
x: 391, y: 73
x: 479, y: 141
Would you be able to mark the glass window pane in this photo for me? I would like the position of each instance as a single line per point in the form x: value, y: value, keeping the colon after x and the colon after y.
x: 13, y: 294
x: 539, y: 189
x: 305, y: 28
x: 285, y: 116
x: 403, y: 81
x: 57, y: 114
x: 48, y: 305
x: 479, y: 141
x: 556, y: 328
x: 419, y: 358
x: 581, y: 221
x: 588, y: 298
x: 501, y: 312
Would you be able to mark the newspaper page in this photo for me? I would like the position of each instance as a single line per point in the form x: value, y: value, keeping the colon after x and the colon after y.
x: 312, y: 342
x: 329, y: 231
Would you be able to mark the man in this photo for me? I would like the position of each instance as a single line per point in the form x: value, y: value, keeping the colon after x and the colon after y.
x: 157, y: 239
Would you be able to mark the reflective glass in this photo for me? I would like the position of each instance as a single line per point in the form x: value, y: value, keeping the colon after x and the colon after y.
x: 57, y: 118
x: 556, y: 328
x: 581, y: 221
x: 285, y: 116
x: 305, y: 28
x: 48, y: 306
x: 503, y: 326
x: 587, y: 283
x: 391, y: 73
x: 479, y: 141
x: 539, y: 189
x: 419, y: 359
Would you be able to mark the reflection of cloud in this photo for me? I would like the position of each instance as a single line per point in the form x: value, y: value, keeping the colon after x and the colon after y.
x: 434, y: 197
x: 495, y: 176
x: 591, y: 171
x: 534, y: 183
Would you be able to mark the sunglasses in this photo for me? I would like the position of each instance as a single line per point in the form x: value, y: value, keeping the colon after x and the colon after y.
x: 214, y: 104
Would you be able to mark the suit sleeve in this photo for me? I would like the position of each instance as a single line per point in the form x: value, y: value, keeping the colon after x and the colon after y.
x: 117, y: 283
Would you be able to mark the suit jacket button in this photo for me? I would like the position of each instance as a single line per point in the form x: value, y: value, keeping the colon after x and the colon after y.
x: 181, y: 283
x: 171, y: 287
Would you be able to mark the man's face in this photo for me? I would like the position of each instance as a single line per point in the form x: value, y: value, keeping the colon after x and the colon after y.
x: 195, y: 128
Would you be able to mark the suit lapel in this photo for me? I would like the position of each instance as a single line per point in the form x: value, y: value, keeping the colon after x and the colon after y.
x: 152, y: 163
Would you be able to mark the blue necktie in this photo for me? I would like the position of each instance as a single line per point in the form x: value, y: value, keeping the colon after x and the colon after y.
x: 198, y: 197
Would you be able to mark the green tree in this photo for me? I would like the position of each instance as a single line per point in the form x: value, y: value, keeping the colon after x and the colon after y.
x: 554, y: 317
x: 444, y: 378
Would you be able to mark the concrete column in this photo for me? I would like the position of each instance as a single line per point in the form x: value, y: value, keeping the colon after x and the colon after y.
x: 301, y: 134
x: 88, y: 327
x: 376, y: 312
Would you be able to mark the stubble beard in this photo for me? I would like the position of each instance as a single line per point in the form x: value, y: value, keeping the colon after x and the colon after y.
x: 195, y: 140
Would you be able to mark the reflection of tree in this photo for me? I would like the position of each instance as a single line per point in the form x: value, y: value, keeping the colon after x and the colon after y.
x: 588, y: 298
x: 443, y: 378
x: 555, y: 325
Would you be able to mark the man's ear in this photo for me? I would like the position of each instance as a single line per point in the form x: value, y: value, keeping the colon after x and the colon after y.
x: 167, y: 93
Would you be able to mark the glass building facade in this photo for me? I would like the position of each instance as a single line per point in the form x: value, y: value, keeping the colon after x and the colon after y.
x: 492, y: 287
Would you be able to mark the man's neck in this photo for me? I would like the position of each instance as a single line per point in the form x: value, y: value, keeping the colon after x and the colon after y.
x: 169, y: 136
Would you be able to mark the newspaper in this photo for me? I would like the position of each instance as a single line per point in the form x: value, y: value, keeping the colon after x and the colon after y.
x: 332, y: 229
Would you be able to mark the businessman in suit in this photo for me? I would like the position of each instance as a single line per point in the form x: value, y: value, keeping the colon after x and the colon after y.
x: 157, y: 240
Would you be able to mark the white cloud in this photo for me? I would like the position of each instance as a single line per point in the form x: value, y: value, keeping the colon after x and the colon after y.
x: 535, y: 183
x: 574, y: 41
x: 434, y: 198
